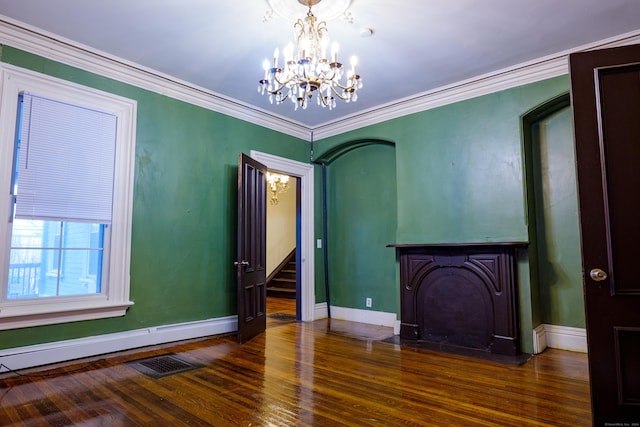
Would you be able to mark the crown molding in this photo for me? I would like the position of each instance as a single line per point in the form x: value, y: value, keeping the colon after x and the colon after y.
x: 52, y: 46
x: 507, y: 78
x: 57, y: 48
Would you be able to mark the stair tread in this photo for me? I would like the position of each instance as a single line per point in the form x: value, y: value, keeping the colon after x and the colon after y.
x: 282, y: 279
x: 283, y: 283
x: 281, y: 286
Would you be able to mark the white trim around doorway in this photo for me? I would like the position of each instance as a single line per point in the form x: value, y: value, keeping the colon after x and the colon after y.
x: 305, y: 172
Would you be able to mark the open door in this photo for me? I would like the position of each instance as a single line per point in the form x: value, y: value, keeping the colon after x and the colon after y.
x: 252, y: 247
x: 605, y: 91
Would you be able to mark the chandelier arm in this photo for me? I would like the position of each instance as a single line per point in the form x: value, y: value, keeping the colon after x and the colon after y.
x: 335, y: 92
x: 284, y: 98
x: 282, y: 84
x: 276, y: 90
x: 286, y: 82
x: 299, y: 25
x: 345, y: 87
x: 322, y: 29
x: 331, y: 77
x: 323, y: 100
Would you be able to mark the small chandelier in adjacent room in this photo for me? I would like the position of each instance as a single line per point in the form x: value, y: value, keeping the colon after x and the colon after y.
x: 306, y: 68
x: 277, y: 184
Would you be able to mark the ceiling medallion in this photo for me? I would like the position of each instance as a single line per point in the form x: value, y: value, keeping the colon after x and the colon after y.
x: 291, y: 10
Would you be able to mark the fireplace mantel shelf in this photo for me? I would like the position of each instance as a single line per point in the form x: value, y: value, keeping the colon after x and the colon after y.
x: 454, y: 245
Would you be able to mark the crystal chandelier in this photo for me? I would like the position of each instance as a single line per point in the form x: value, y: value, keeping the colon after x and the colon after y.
x: 277, y: 184
x: 308, y: 69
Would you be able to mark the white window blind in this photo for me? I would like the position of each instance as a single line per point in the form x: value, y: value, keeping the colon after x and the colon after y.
x: 66, y: 162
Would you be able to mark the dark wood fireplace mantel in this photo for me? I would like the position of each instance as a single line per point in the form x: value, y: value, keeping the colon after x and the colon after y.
x: 460, y: 294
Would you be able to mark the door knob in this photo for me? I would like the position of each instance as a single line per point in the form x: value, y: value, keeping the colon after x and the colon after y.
x: 598, y: 275
x: 243, y: 262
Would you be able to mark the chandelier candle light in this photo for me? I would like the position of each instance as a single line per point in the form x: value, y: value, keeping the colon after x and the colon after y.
x: 309, y: 69
x: 277, y: 184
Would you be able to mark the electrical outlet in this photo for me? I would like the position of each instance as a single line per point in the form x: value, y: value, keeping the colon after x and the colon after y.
x: 368, y: 302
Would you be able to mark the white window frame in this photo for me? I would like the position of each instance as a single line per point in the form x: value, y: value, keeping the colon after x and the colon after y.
x: 114, y: 300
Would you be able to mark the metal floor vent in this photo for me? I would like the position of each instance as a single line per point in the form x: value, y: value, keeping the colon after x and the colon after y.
x: 163, y: 365
x: 282, y: 316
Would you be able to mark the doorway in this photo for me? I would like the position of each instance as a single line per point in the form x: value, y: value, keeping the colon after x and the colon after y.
x: 283, y: 280
x: 554, y: 234
x: 304, y: 173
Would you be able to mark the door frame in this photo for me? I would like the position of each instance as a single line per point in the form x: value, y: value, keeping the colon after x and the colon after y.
x: 305, y: 172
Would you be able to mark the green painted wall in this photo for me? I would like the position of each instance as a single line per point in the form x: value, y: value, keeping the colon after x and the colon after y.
x: 460, y: 166
x: 559, y: 264
x: 457, y: 176
x: 361, y: 195
x: 184, y: 210
x: 461, y: 178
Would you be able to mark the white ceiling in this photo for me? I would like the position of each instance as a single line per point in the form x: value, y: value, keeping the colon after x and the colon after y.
x: 416, y: 46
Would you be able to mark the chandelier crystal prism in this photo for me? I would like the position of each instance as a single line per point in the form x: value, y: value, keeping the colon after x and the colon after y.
x: 306, y: 70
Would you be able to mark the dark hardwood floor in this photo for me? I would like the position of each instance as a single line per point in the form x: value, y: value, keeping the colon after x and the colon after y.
x: 322, y: 373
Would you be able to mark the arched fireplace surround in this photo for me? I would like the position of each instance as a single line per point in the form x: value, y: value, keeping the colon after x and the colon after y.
x: 460, y: 294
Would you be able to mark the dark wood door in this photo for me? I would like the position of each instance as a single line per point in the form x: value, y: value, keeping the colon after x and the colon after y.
x: 605, y: 91
x: 252, y: 246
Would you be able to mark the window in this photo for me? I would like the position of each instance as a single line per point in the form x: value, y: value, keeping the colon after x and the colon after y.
x: 67, y: 161
x: 55, y: 258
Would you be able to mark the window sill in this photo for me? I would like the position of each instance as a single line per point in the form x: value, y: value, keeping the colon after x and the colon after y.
x: 20, y: 316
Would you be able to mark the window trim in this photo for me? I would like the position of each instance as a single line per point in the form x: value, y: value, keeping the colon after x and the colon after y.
x: 114, y: 300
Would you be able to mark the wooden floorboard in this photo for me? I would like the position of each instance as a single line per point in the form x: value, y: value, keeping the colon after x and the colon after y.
x: 322, y: 373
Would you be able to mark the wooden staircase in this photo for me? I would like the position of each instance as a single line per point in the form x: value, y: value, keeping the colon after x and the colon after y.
x: 282, y: 282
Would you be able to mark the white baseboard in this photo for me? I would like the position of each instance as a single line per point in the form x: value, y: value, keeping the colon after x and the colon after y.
x: 320, y: 311
x: 355, y: 315
x: 61, y: 351
x: 560, y: 337
x: 371, y: 317
x: 552, y: 336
